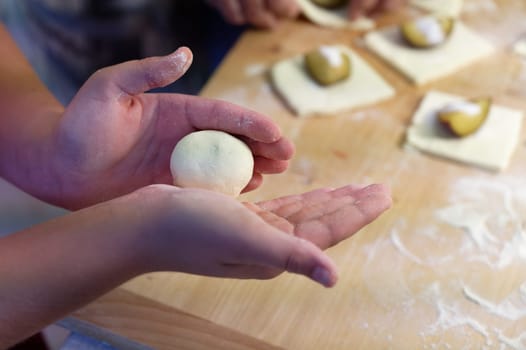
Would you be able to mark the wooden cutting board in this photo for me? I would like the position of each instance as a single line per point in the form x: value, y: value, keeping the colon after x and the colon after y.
x: 409, y: 280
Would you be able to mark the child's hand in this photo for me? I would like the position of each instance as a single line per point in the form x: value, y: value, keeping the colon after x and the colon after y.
x: 366, y: 7
x: 260, y: 13
x: 113, y: 138
x: 207, y: 233
x: 68, y: 262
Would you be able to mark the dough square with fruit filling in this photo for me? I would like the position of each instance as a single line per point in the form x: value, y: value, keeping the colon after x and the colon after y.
x: 421, y: 66
x: 440, y: 7
x: 306, y: 97
x: 490, y: 147
x: 334, y: 18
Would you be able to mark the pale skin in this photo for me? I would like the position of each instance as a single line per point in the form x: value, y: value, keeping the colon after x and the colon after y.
x: 360, y: 8
x: 268, y: 13
x: 108, y: 153
x: 129, y: 132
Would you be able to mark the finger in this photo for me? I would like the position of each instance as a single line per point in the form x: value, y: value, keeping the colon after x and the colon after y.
x: 277, y: 203
x: 286, y: 252
x: 269, y: 166
x: 283, y: 8
x: 230, y: 10
x: 378, y: 8
x: 304, y: 258
x: 283, y: 149
x: 360, y: 8
x: 372, y: 201
x: 388, y: 5
x: 209, y: 114
x: 257, y: 14
x: 314, y: 198
x: 135, y: 77
x: 355, y: 9
x: 250, y: 272
x: 255, y: 182
x: 351, y: 189
x: 319, y: 209
x: 271, y: 218
x: 333, y: 227
x: 327, y: 203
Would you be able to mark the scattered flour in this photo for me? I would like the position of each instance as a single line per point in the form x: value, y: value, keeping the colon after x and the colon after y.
x: 395, y: 239
x: 511, y: 308
x: 520, y: 47
x: 478, y: 6
x: 515, y: 343
x: 451, y: 316
x: 487, y: 211
x: 429, y: 261
x: 255, y: 69
x: 306, y: 168
x: 483, y: 209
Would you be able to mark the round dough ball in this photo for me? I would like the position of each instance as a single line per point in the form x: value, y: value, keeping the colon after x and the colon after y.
x: 213, y: 160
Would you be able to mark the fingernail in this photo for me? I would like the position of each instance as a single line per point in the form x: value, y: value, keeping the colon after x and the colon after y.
x: 180, y: 59
x: 322, y: 276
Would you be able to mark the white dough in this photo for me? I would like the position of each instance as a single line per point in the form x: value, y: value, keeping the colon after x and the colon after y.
x: 451, y: 8
x: 467, y: 108
x: 463, y: 47
x: 431, y: 30
x: 333, y: 18
x: 213, y: 160
x: 490, y: 147
x: 306, y: 97
x: 332, y: 55
x: 520, y: 47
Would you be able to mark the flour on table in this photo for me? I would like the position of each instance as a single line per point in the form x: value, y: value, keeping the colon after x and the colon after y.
x: 520, y: 47
x: 462, y: 48
x: 489, y: 213
x: 491, y: 147
x: 486, y: 213
x: 405, y: 251
x: 255, y: 69
x: 450, y: 315
x: 512, y: 308
x: 451, y: 8
x: 305, y: 97
x: 479, y: 6
x: 395, y: 239
x: 334, y: 18
x: 472, y: 221
x: 515, y: 343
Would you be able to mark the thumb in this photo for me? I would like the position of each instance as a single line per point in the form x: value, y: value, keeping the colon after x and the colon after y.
x: 300, y: 256
x: 354, y: 10
x: 359, y: 8
x: 138, y: 76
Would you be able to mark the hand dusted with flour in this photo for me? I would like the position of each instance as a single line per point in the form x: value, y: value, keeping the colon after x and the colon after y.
x: 114, y: 137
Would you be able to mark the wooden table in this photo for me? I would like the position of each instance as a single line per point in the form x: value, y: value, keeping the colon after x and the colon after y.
x: 409, y: 280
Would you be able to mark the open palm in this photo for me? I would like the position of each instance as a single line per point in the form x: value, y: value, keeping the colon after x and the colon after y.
x: 115, y: 138
x: 208, y: 233
x: 325, y: 216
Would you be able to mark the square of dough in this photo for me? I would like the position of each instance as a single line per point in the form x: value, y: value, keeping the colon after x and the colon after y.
x: 451, y: 8
x: 421, y: 66
x: 306, y: 97
x: 520, y: 47
x: 334, y: 18
x: 490, y: 147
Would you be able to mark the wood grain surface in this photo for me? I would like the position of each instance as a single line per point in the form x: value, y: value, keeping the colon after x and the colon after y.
x: 157, y: 326
x: 409, y: 280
